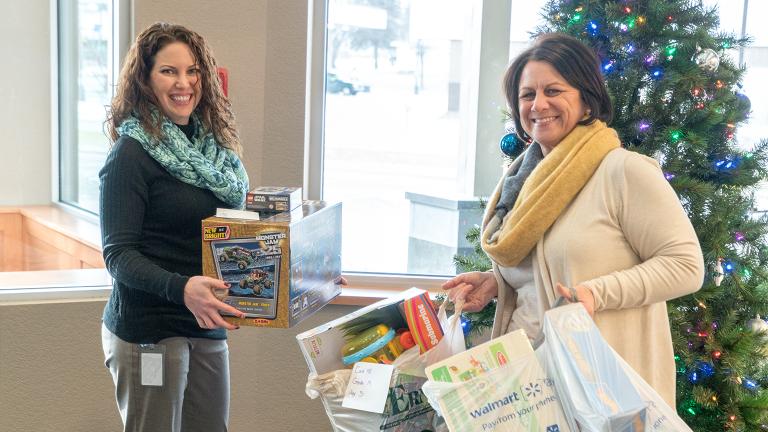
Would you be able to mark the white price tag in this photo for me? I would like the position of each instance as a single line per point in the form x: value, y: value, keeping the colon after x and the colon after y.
x: 368, y: 387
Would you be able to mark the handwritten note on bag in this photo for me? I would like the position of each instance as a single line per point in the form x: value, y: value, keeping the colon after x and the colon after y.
x: 368, y: 387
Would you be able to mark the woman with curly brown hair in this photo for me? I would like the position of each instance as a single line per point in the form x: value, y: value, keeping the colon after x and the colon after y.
x: 175, y: 159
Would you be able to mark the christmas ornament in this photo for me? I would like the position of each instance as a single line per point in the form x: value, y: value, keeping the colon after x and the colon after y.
x: 707, y: 60
x: 719, y: 273
x: 743, y: 104
x: 757, y: 325
x: 511, y: 145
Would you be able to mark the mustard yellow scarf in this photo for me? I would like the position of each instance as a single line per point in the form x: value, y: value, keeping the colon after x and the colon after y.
x: 547, y: 191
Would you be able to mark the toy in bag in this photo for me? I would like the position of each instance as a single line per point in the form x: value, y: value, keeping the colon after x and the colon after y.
x: 377, y: 344
x: 423, y: 324
x: 603, y: 393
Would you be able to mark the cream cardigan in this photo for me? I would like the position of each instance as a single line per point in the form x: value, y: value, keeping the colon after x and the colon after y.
x: 626, y: 237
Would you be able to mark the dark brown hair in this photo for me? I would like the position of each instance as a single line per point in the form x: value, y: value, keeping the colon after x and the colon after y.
x: 134, y: 95
x: 577, y: 64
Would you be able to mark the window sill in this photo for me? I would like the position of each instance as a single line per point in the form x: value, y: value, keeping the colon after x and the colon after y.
x: 50, y: 286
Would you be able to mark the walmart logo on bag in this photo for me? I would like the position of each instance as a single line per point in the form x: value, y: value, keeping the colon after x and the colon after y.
x: 553, y: 428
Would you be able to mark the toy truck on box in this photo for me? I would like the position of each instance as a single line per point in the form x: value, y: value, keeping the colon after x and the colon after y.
x: 282, y: 268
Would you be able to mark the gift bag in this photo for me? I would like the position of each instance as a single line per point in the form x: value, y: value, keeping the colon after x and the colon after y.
x: 601, y: 391
x: 407, y: 409
x: 516, y: 397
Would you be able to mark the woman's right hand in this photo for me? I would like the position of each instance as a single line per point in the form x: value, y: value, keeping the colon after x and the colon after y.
x: 476, y: 289
x: 200, y: 300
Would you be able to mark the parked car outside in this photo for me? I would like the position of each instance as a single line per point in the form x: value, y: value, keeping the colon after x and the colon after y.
x: 334, y: 84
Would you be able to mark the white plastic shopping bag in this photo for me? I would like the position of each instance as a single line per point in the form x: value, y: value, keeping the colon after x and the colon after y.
x: 517, y: 397
x: 660, y: 417
x: 601, y: 392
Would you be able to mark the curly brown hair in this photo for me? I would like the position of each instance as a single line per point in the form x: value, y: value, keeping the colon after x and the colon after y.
x: 134, y: 95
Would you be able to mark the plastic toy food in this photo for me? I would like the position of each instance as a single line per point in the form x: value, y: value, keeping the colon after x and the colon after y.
x: 374, y: 345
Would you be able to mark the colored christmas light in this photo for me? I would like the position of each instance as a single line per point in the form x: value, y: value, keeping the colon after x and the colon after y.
x: 749, y: 384
x: 669, y: 176
x: 739, y: 236
x: 728, y: 266
x: 592, y: 27
x: 670, y: 51
x: 676, y: 135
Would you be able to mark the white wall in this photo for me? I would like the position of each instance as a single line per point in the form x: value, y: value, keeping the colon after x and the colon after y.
x: 25, y: 102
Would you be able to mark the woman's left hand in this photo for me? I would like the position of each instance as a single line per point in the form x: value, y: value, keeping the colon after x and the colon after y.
x: 583, y: 295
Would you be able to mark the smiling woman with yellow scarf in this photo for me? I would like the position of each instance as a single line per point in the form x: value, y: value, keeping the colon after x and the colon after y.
x: 579, y: 217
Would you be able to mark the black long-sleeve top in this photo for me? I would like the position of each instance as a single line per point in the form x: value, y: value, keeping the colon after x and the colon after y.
x: 151, y: 233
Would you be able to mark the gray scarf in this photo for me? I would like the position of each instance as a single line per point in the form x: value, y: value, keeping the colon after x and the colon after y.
x: 513, y: 183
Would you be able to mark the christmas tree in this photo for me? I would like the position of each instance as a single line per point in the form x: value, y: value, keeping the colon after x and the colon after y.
x: 677, y: 98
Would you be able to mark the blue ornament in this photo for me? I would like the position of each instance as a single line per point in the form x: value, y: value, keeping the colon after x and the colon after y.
x: 706, y: 369
x: 511, y: 145
x: 466, y: 325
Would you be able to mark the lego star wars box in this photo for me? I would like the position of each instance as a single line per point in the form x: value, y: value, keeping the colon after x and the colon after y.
x: 273, y: 199
x: 282, y: 268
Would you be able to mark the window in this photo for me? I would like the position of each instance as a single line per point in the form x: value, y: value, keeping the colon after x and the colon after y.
x: 412, y: 116
x: 88, y: 42
x: 413, y: 113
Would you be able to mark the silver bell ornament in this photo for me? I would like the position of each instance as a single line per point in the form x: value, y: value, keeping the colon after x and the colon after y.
x: 719, y: 273
x: 757, y: 324
x: 707, y: 60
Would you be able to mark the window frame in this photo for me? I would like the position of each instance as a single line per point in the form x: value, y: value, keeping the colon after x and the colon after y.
x: 122, y: 33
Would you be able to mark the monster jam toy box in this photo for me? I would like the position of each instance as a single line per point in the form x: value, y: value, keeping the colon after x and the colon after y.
x: 273, y: 199
x: 282, y: 268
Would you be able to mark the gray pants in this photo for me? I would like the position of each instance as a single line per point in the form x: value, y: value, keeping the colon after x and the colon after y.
x: 195, y: 391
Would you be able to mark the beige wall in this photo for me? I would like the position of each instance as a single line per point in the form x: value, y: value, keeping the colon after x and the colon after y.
x: 25, y: 102
x: 262, y: 43
x: 52, y: 375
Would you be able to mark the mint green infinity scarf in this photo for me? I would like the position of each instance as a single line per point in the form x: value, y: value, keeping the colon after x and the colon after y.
x: 201, y: 162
